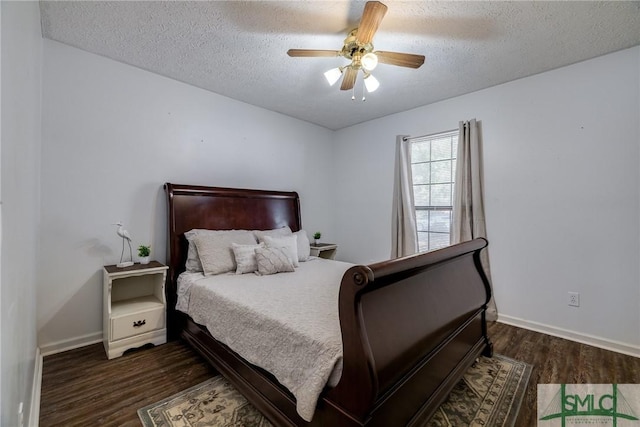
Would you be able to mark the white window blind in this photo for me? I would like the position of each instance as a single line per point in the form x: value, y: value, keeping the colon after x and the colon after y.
x: 433, y: 164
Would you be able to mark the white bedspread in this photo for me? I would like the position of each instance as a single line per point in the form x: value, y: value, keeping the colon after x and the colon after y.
x: 286, y: 323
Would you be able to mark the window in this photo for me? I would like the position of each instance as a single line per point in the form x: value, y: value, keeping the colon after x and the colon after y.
x: 433, y: 164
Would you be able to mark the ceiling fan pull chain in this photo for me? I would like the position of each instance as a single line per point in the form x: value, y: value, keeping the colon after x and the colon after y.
x: 364, y: 98
x: 353, y: 93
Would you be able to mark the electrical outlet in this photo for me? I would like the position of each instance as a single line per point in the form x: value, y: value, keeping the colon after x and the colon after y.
x: 574, y: 299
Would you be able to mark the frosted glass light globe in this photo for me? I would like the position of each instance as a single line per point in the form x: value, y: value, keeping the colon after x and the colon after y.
x: 369, y: 61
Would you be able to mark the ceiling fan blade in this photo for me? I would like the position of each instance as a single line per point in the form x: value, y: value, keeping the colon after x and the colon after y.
x: 372, y: 16
x: 401, y: 59
x: 349, y: 78
x: 312, y: 53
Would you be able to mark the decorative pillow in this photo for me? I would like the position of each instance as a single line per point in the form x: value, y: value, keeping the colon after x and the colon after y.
x: 304, y: 251
x: 276, y: 232
x: 215, y: 251
x: 287, y: 243
x: 273, y: 260
x: 193, y: 264
x: 245, y: 256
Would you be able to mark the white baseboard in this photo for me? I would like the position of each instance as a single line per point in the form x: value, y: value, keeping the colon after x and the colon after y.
x: 34, y: 410
x: 617, y: 346
x: 70, y: 344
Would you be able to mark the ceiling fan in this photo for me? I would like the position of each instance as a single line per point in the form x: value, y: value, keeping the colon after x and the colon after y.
x: 358, y: 48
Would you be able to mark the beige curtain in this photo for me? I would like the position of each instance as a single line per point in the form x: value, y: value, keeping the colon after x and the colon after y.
x: 468, y: 196
x: 404, y: 235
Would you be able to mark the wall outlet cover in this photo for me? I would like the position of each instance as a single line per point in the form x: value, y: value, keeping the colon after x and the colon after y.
x: 574, y: 299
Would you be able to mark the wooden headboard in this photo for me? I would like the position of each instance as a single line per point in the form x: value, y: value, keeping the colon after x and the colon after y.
x: 216, y: 208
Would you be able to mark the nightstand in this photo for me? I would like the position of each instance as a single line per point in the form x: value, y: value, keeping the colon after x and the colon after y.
x: 134, y: 307
x: 324, y: 250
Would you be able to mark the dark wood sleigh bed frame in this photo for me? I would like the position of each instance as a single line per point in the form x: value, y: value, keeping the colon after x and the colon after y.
x: 410, y: 326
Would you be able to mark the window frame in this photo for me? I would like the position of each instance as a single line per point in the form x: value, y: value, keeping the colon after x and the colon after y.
x: 431, y: 208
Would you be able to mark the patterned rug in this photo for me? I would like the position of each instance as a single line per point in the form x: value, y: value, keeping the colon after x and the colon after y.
x: 489, y: 395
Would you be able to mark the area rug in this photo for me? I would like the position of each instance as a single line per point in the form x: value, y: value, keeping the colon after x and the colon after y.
x: 489, y: 395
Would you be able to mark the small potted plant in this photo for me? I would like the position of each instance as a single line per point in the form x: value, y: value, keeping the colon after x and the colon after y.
x: 316, y: 237
x: 143, y: 253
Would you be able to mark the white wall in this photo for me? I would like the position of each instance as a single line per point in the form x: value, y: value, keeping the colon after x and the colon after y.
x: 561, y: 154
x: 112, y: 135
x: 20, y: 171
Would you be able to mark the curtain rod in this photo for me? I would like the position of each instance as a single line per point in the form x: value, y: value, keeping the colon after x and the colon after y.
x: 432, y: 134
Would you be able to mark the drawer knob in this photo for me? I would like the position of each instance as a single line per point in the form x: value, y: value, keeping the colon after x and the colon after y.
x: 139, y: 323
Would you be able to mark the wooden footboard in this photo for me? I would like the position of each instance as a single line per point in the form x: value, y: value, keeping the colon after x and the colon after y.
x: 410, y: 327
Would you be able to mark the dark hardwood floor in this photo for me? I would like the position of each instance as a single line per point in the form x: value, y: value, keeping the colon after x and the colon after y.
x: 557, y: 361
x: 82, y: 388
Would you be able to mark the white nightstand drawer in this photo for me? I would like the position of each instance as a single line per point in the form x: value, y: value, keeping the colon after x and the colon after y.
x: 137, y: 323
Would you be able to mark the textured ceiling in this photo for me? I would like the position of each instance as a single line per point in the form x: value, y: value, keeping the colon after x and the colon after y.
x: 238, y: 48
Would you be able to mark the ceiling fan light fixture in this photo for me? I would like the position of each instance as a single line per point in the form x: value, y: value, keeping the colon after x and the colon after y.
x: 333, y: 75
x: 369, y: 61
x: 371, y: 83
x: 358, y: 48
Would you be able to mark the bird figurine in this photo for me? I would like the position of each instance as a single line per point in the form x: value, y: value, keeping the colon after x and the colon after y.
x: 125, y: 236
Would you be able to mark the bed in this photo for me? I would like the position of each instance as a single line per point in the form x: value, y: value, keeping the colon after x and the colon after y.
x: 410, y: 327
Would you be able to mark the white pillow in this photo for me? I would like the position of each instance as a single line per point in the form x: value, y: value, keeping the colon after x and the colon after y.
x: 215, y: 248
x: 193, y: 264
x: 288, y: 243
x: 245, y: 256
x: 272, y: 261
x: 304, y: 251
x: 276, y: 232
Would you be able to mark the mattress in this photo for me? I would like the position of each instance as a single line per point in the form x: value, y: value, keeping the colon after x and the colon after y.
x: 285, y: 323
